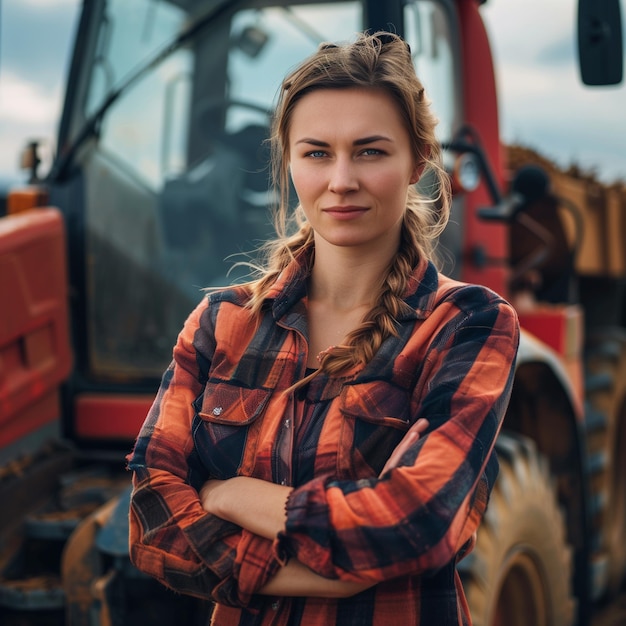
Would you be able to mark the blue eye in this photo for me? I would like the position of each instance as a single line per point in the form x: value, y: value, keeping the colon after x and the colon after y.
x: 316, y: 154
x: 372, y: 152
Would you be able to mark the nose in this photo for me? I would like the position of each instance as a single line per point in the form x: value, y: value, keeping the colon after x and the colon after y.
x: 343, y: 176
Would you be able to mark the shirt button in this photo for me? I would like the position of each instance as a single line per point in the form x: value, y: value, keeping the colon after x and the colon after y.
x: 275, y: 605
x: 217, y: 410
x: 283, y: 482
x: 287, y: 423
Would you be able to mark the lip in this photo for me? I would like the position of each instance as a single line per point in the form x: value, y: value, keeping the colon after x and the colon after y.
x: 348, y: 212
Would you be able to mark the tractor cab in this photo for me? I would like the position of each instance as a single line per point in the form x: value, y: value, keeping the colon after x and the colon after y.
x: 163, y: 167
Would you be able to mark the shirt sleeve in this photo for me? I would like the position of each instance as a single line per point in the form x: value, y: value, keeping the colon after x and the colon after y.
x: 172, y: 538
x: 417, y: 517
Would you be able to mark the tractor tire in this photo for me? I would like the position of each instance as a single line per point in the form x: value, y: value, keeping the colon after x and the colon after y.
x: 605, y: 424
x: 520, y: 571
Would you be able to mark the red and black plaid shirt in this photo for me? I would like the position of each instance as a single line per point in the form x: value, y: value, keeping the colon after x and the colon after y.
x: 220, y: 412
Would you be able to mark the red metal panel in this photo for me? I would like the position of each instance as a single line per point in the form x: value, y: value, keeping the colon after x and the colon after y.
x: 35, y: 354
x: 110, y: 416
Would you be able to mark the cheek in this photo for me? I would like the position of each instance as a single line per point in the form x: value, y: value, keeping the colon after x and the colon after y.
x: 305, y: 180
x: 295, y: 175
x: 389, y: 185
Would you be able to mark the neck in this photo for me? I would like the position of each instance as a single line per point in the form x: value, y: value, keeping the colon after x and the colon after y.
x: 346, y: 279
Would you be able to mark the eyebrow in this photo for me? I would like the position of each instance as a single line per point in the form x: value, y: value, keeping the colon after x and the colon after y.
x: 357, y: 142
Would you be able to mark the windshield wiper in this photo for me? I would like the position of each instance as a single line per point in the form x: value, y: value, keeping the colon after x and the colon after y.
x: 91, y: 127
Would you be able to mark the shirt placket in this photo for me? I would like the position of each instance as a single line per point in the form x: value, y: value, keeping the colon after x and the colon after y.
x: 284, y: 446
x: 283, y: 472
x: 283, y: 475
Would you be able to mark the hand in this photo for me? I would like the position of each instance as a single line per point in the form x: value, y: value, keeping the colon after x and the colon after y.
x: 412, y: 435
x: 254, y: 504
x: 295, y: 579
x: 207, y: 494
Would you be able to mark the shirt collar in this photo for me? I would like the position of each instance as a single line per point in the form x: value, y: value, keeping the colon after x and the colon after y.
x: 290, y: 288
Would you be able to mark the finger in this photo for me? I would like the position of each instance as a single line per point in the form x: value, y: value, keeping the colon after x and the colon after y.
x: 421, y: 425
x: 409, y: 439
x: 412, y: 435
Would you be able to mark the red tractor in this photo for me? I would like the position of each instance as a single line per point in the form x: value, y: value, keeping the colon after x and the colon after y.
x: 161, y: 177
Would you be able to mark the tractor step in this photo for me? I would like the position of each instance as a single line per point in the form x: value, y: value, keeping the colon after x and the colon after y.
x: 32, y: 594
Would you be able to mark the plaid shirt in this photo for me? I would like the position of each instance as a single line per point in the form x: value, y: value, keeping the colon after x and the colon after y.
x: 220, y: 412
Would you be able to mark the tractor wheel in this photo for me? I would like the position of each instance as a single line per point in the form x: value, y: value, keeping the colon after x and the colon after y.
x: 520, y: 571
x: 606, y: 447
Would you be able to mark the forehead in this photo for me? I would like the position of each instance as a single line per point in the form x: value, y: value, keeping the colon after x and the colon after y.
x: 341, y: 112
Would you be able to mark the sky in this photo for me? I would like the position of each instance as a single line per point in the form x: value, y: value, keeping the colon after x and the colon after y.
x: 35, y: 37
x: 543, y: 104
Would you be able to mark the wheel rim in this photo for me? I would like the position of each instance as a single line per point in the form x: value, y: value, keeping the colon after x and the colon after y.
x: 522, y: 597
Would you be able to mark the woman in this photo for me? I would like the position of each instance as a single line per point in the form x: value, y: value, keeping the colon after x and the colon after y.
x: 296, y: 483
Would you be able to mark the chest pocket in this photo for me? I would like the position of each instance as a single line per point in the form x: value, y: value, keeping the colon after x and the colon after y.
x: 376, y: 416
x: 225, y: 427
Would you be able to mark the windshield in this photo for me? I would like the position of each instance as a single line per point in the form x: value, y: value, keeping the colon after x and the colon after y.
x: 175, y: 181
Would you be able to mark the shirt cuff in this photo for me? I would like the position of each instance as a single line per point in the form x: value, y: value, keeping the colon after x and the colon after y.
x: 307, y: 528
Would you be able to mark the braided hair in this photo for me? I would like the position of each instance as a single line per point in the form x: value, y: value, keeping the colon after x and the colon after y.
x: 380, y: 61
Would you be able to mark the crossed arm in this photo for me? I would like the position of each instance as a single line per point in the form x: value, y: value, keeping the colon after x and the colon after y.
x: 260, y: 507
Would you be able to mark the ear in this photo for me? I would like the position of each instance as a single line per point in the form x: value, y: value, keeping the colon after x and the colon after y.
x: 421, y: 164
x: 417, y: 172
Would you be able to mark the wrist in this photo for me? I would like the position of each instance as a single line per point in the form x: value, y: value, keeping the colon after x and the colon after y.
x: 219, y: 499
x: 212, y: 497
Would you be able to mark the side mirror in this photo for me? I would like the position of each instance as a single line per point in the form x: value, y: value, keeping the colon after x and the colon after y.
x: 600, y: 42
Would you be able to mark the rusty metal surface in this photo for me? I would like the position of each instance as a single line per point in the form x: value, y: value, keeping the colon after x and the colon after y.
x: 48, y: 495
x: 82, y: 568
x: 30, y: 480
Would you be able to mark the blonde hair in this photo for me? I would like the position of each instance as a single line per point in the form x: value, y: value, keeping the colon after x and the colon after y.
x: 381, y: 61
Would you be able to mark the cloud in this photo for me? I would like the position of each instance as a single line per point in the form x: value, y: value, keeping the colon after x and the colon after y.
x: 525, y: 29
x: 27, y: 112
x: 558, y: 53
x: 543, y: 103
x: 35, y: 37
x: 24, y: 102
x: 46, y: 4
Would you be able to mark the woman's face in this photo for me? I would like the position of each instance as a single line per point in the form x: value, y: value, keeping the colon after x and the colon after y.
x: 351, y: 164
